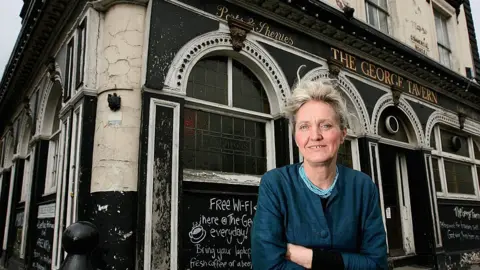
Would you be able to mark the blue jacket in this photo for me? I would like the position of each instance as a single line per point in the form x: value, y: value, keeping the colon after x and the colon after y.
x: 288, y: 212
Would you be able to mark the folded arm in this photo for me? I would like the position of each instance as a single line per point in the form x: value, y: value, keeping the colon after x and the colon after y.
x: 268, y: 238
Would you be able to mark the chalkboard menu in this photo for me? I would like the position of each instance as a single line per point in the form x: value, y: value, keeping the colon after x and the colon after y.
x: 216, y: 230
x: 42, y: 252
x: 460, y: 227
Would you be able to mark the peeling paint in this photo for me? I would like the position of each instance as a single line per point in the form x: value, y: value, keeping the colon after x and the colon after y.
x: 162, y: 173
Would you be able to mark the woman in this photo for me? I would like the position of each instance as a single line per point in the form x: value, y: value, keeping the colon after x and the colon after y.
x: 317, y: 214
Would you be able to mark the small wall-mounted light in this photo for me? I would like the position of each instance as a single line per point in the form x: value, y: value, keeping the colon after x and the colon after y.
x: 114, y: 102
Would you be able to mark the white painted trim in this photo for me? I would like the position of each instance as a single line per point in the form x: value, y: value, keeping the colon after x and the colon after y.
x: 225, y: 110
x: 397, y: 144
x: 229, y: 81
x: 270, y: 144
x: 78, y: 112
x: 202, y: 176
x: 376, y: 168
x: 9, y: 207
x: 253, y: 56
x: 149, y: 183
x: 449, y: 119
x: 433, y: 201
x: 355, y: 154
x: 174, y: 198
x: 406, y: 209
x: 27, y: 182
x: 443, y: 7
x: 290, y: 141
x: 61, y: 197
x: 387, y: 101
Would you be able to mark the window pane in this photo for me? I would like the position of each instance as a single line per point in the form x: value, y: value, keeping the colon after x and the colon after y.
x: 454, y: 143
x: 433, y: 143
x: 344, y: 156
x: 372, y: 17
x: 208, y: 80
x: 441, y: 29
x: 248, y: 92
x: 476, y: 149
x: 383, y: 21
x: 436, y: 175
x: 444, y: 56
x: 459, y: 177
x: 382, y: 3
x: 238, y: 146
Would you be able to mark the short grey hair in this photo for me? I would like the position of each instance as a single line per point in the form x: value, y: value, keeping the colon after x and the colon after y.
x: 323, y: 91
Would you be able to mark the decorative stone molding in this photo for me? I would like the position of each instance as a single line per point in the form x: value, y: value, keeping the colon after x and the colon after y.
x: 334, y: 67
x: 104, y: 5
x: 177, y: 76
x: 387, y: 101
x: 350, y: 91
x: 452, y: 120
x: 396, y: 94
x: 54, y: 71
x: 461, y: 119
x: 238, y: 32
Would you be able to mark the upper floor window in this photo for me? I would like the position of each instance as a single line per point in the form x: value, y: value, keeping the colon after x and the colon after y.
x: 75, y: 62
x: 377, y: 14
x: 442, y: 38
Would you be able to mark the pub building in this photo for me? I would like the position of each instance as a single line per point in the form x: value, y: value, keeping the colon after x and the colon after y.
x: 154, y: 120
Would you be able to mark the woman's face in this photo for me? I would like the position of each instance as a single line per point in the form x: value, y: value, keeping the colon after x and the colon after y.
x: 317, y: 132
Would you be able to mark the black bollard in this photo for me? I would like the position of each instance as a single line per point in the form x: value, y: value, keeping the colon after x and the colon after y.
x: 79, y: 240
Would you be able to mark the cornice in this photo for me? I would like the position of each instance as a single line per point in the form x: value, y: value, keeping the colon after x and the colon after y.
x: 320, y: 20
x: 104, y: 5
x: 38, y: 28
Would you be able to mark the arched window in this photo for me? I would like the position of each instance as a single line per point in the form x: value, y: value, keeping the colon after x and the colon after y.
x: 227, y: 121
x: 455, y: 162
x: 54, y: 151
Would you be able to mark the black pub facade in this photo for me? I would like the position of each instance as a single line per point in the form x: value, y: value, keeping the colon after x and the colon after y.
x: 161, y: 143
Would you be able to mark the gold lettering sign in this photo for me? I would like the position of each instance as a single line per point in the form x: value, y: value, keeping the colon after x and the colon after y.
x: 384, y: 76
x: 262, y: 28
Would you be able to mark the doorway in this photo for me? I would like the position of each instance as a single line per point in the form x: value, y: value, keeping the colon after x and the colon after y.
x: 396, y: 197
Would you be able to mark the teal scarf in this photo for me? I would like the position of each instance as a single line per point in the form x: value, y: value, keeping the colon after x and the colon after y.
x: 323, y: 193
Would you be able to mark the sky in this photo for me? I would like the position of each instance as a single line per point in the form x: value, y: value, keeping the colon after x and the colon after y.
x: 11, y: 24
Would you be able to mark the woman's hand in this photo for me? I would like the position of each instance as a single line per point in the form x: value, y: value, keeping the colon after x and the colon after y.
x: 300, y: 255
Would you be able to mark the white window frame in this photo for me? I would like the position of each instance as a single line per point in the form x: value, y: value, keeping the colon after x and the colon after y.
x: 441, y: 156
x: 26, y: 178
x: 191, y: 175
x: 379, y: 10
x: 74, y: 175
x: 433, y: 200
x: 72, y: 85
x: 26, y: 192
x: 445, y: 18
x: 61, y: 197
x: 54, y: 150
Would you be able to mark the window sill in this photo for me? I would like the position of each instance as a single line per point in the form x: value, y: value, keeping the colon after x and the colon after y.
x: 49, y: 192
x: 203, y: 176
x: 464, y: 197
